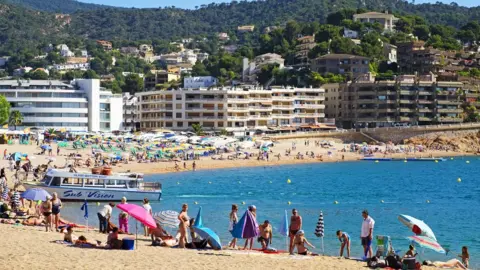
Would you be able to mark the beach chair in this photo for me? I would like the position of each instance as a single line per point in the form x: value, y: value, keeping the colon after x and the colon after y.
x: 384, y: 246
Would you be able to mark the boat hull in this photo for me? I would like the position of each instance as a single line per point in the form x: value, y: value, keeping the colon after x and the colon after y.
x: 97, y: 195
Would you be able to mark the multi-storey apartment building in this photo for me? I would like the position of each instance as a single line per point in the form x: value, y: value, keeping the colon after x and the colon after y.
x: 406, y: 99
x: 350, y: 65
x: 386, y: 20
x: 130, y: 112
x: 80, y: 106
x: 234, y: 109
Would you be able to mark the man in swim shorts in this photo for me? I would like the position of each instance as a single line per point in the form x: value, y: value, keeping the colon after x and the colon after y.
x: 295, y: 226
x: 367, y: 234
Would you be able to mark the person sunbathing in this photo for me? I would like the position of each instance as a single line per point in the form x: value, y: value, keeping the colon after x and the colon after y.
x: 300, y: 241
x: 112, y: 240
x: 69, y: 237
x: 453, y: 263
x: 82, y: 242
x: 33, y: 221
x: 160, y: 237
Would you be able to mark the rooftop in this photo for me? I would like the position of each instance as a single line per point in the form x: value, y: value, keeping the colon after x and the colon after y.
x: 342, y: 56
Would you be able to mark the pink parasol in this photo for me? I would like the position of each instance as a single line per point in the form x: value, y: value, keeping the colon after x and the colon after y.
x: 138, y: 213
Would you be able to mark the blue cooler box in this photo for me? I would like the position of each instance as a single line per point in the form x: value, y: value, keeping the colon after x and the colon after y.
x: 128, y: 244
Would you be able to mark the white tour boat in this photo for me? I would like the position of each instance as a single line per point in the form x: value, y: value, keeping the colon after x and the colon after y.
x: 80, y: 186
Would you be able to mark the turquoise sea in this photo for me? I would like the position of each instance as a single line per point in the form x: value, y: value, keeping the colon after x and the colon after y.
x: 425, y: 190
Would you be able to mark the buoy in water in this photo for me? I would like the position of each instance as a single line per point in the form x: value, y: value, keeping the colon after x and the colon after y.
x: 289, y: 181
x: 459, y: 180
x: 405, y: 161
x: 195, y: 202
x: 98, y: 203
x: 239, y: 182
x: 289, y: 202
x: 428, y: 201
x: 243, y: 202
x: 335, y: 202
x: 451, y: 158
x: 436, y: 161
x: 376, y: 161
x: 178, y: 183
x: 382, y: 201
x: 209, y: 182
x: 468, y: 161
x: 270, y: 182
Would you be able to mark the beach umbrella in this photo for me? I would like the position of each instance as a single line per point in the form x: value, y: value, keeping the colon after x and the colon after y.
x: 247, y: 227
x: 319, y: 230
x: 85, y: 209
x: 46, y: 147
x: 167, y: 218
x: 283, y: 229
x: 426, y: 242
x: 417, y: 226
x: 35, y: 194
x: 138, y: 213
x: 206, y: 233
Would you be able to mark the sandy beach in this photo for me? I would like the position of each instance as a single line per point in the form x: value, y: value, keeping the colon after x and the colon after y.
x: 207, y: 163
x: 33, y: 248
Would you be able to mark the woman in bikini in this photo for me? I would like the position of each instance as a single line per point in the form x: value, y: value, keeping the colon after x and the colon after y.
x: 184, y: 224
x: 47, y: 213
x: 233, y: 222
x: 56, y: 206
x: 300, y: 242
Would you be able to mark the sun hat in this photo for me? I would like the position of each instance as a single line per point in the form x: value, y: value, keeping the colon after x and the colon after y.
x: 300, y: 232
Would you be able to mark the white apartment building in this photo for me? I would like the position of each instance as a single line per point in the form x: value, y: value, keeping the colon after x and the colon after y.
x: 79, y: 106
x: 199, y: 82
x: 71, y: 66
x: 234, y: 109
x: 130, y: 112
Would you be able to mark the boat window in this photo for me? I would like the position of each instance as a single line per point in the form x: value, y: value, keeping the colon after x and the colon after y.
x: 56, y: 181
x: 132, y: 184
x: 68, y: 181
x: 47, y: 179
x: 122, y: 183
x: 94, y: 182
x: 117, y: 184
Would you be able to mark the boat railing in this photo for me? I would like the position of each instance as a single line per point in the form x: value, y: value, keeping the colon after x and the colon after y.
x: 149, y: 186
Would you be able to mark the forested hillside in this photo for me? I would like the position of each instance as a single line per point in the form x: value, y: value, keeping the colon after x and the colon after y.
x: 58, y: 6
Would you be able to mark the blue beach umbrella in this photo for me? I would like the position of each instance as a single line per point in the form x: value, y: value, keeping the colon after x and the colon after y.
x: 206, y: 233
x: 85, y: 209
x: 35, y: 194
x: 283, y: 230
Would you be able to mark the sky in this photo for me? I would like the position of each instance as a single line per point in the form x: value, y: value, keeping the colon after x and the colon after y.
x: 192, y: 3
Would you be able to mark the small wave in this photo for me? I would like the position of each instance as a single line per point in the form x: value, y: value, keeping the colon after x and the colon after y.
x: 201, y: 196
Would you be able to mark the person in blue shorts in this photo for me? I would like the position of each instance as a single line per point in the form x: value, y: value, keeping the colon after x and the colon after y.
x: 345, y: 242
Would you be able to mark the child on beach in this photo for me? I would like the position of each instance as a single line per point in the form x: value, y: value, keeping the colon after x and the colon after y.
x: 233, y: 222
x: 344, y: 239
x: 123, y: 218
x: 465, y: 256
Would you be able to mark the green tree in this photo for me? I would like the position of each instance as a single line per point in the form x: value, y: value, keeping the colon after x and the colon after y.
x: 343, y: 45
x: 319, y: 50
x: 197, y: 129
x: 422, y: 32
x: 133, y: 84
x: 38, y: 75
x: 4, y: 110
x: 90, y: 74
x: 16, y: 118
x: 223, y: 132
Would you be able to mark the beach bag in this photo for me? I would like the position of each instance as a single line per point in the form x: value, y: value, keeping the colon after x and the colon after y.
x: 394, y: 262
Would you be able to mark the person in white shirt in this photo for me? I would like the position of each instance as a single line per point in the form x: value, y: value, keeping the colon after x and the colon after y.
x: 104, y: 216
x: 148, y: 208
x: 367, y: 233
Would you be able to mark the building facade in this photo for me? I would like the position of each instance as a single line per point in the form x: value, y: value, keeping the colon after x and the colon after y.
x: 159, y: 77
x: 386, y: 20
x: 234, y: 109
x: 131, y: 120
x: 80, y: 106
x: 199, y: 82
x: 350, y: 65
x: 333, y: 100
x: 406, y: 99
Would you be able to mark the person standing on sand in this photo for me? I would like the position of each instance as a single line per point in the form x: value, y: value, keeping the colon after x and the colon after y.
x: 367, y: 234
x: 194, y: 166
x: 295, y: 226
x: 47, y: 213
x: 104, y: 217
x: 123, y: 218
x: 233, y: 222
x: 56, y: 206
x: 183, y: 227
x: 148, y: 208
x: 266, y: 234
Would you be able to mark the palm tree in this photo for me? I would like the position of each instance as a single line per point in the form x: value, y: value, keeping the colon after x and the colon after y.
x: 197, y: 129
x: 16, y: 118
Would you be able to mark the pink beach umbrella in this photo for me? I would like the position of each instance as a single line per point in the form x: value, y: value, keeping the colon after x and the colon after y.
x: 140, y: 214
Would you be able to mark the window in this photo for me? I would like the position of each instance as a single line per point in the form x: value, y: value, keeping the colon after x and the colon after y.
x: 178, y: 115
x: 179, y: 124
x: 178, y: 106
x: 178, y: 97
x: 56, y: 181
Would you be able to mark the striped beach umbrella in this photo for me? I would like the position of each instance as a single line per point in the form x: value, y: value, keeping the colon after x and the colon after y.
x: 319, y: 230
x: 167, y: 218
x: 427, y: 242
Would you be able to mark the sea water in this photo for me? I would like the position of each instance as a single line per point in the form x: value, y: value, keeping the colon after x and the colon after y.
x: 445, y: 195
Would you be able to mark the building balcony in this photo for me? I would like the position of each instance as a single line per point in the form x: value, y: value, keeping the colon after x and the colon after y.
x: 260, y: 100
x: 386, y: 119
x: 283, y: 107
x: 260, y: 108
x: 260, y: 116
x: 386, y: 92
x: 407, y: 101
x: 425, y: 110
x: 450, y: 119
x: 237, y: 109
x: 34, y: 119
x: 237, y: 118
x: 366, y: 110
x: 309, y: 115
x: 407, y: 110
x: 425, y: 119
x: 389, y: 101
x: 424, y: 101
x: 366, y: 93
x: 238, y: 100
x: 49, y: 110
x: 367, y: 101
x: 408, y: 93
x: 283, y: 116
x: 283, y: 98
x: 425, y: 93
x: 204, y: 100
x: 309, y: 90
x: 310, y: 106
x: 451, y: 102
x: 202, y: 109
x: 309, y: 97
x: 389, y: 110
x: 404, y: 119
x: 450, y: 110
